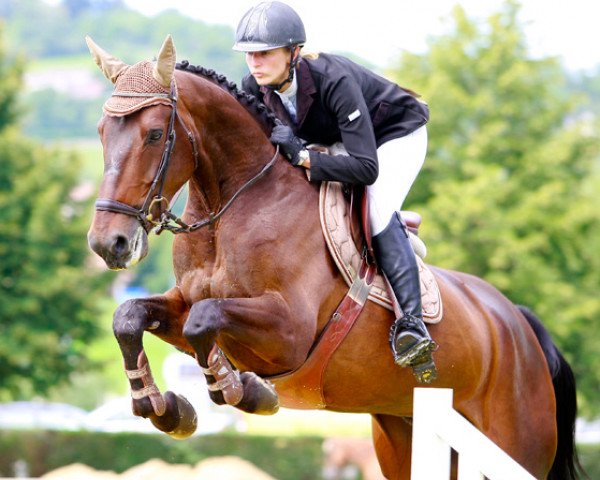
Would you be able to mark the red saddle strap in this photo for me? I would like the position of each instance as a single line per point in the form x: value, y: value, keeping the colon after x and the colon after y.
x: 365, y: 222
x: 303, y: 388
x: 365, y: 218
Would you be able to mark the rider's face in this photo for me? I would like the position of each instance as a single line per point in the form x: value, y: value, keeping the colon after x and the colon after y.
x: 269, y: 67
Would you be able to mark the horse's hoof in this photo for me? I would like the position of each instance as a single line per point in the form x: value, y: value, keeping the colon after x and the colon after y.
x: 260, y: 396
x: 188, y: 419
x: 183, y: 421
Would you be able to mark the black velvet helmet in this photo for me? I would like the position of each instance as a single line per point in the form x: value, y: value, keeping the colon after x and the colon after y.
x: 267, y: 26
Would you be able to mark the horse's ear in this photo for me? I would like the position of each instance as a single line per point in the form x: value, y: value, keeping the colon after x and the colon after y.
x: 111, y: 66
x: 165, y: 64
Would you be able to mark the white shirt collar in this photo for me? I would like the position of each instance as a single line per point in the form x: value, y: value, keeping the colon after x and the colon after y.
x: 292, y: 90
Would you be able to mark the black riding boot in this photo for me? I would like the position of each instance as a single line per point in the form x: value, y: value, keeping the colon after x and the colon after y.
x: 410, y: 341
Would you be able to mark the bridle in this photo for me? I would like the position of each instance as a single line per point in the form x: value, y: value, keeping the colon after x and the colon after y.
x: 167, y: 220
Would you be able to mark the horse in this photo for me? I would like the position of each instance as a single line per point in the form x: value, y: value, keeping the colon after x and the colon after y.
x: 256, y: 286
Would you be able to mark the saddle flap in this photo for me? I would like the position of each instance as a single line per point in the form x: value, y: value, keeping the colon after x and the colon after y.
x: 336, y: 223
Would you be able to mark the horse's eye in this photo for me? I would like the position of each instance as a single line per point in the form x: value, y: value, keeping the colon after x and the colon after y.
x: 154, y: 135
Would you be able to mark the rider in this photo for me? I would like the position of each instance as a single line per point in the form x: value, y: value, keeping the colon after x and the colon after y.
x: 327, y: 98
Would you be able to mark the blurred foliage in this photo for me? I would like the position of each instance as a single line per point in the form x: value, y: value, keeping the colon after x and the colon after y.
x: 509, y: 190
x: 52, y: 115
x: 589, y: 85
x: 284, y: 458
x: 47, y: 296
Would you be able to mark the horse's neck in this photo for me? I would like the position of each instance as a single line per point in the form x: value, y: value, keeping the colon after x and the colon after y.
x: 234, y: 147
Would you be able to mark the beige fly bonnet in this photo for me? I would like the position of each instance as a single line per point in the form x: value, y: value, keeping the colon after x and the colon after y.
x: 140, y: 85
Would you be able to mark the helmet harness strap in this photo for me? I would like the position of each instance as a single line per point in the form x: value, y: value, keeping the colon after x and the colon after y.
x: 290, y: 78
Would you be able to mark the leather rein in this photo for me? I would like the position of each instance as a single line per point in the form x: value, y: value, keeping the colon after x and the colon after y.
x: 167, y: 219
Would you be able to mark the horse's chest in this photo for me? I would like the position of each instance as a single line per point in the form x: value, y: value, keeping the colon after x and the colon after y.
x: 203, y: 271
x: 210, y: 283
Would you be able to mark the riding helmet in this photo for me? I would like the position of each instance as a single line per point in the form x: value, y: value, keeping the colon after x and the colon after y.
x: 267, y: 26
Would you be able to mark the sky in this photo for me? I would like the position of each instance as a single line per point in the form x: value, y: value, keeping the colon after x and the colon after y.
x: 378, y: 30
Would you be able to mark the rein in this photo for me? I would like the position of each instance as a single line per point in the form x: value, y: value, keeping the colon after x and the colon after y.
x: 213, y: 217
x: 168, y: 220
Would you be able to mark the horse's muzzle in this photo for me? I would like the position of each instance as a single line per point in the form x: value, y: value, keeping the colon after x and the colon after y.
x: 118, y: 250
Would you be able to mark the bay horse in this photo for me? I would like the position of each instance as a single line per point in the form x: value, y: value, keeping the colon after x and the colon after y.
x: 255, y: 284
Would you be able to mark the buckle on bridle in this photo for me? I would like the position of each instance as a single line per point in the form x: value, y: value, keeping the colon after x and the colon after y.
x: 158, y: 200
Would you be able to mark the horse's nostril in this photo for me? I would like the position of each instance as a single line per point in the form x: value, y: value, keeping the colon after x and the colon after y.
x: 120, y: 245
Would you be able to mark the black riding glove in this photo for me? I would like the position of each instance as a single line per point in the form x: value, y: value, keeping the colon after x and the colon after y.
x: 289, y: 144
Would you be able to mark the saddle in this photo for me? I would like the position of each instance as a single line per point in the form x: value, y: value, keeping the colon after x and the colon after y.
x: 347, y: 245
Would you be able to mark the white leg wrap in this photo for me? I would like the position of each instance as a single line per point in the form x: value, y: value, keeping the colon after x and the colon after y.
x: 150, y: 389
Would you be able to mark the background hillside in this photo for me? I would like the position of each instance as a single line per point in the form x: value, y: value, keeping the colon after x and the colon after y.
x: 65, y: 90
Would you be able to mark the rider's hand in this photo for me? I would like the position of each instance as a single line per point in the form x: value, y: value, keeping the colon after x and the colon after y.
x: 289, y: 143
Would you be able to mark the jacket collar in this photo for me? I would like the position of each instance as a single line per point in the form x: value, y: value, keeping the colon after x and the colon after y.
x: 306, y: 90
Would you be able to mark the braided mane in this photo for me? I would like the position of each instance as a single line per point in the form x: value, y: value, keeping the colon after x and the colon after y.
x: 259, y: 110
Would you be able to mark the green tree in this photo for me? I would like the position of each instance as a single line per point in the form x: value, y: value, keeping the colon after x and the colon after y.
x: 509, y: 189
x: 51, y: 115
x: 48, y: 296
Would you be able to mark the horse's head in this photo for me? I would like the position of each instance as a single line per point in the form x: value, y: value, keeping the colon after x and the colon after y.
x: 143, y: 165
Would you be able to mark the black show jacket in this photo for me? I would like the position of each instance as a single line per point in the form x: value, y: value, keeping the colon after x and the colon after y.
x: 339, y: 100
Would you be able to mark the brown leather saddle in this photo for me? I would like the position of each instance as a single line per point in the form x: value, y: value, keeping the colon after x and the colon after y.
x: 347, y: 234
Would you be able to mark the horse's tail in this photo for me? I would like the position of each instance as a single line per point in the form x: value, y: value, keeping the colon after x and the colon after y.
x: 566, y: 464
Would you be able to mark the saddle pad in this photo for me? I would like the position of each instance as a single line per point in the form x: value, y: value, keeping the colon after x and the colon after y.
x: 335, y: 222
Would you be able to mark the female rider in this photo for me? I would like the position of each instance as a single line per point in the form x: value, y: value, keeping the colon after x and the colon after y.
x: 326, y: 99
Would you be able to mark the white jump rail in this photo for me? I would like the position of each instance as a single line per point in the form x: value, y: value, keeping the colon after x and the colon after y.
x: 437, y: 428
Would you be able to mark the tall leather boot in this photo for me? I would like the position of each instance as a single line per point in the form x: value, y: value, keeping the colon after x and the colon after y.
x: 410, y: 341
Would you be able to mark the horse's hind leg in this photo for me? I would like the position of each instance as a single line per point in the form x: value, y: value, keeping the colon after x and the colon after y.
x: 170, y: 413
x: 392, y: 437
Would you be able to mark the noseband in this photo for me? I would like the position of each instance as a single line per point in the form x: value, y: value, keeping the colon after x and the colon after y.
x: 168, y: 220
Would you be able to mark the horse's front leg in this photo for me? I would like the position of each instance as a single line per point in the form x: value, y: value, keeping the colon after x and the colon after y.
x: 164, y: 314
x: 258, y: 331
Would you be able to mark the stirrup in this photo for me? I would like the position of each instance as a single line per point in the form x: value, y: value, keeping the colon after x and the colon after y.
x: 417, y: 354
x: 425, y: 370
x: 423, y: 346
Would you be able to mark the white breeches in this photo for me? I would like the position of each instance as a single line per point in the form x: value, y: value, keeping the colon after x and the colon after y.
x: 400, y: 161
